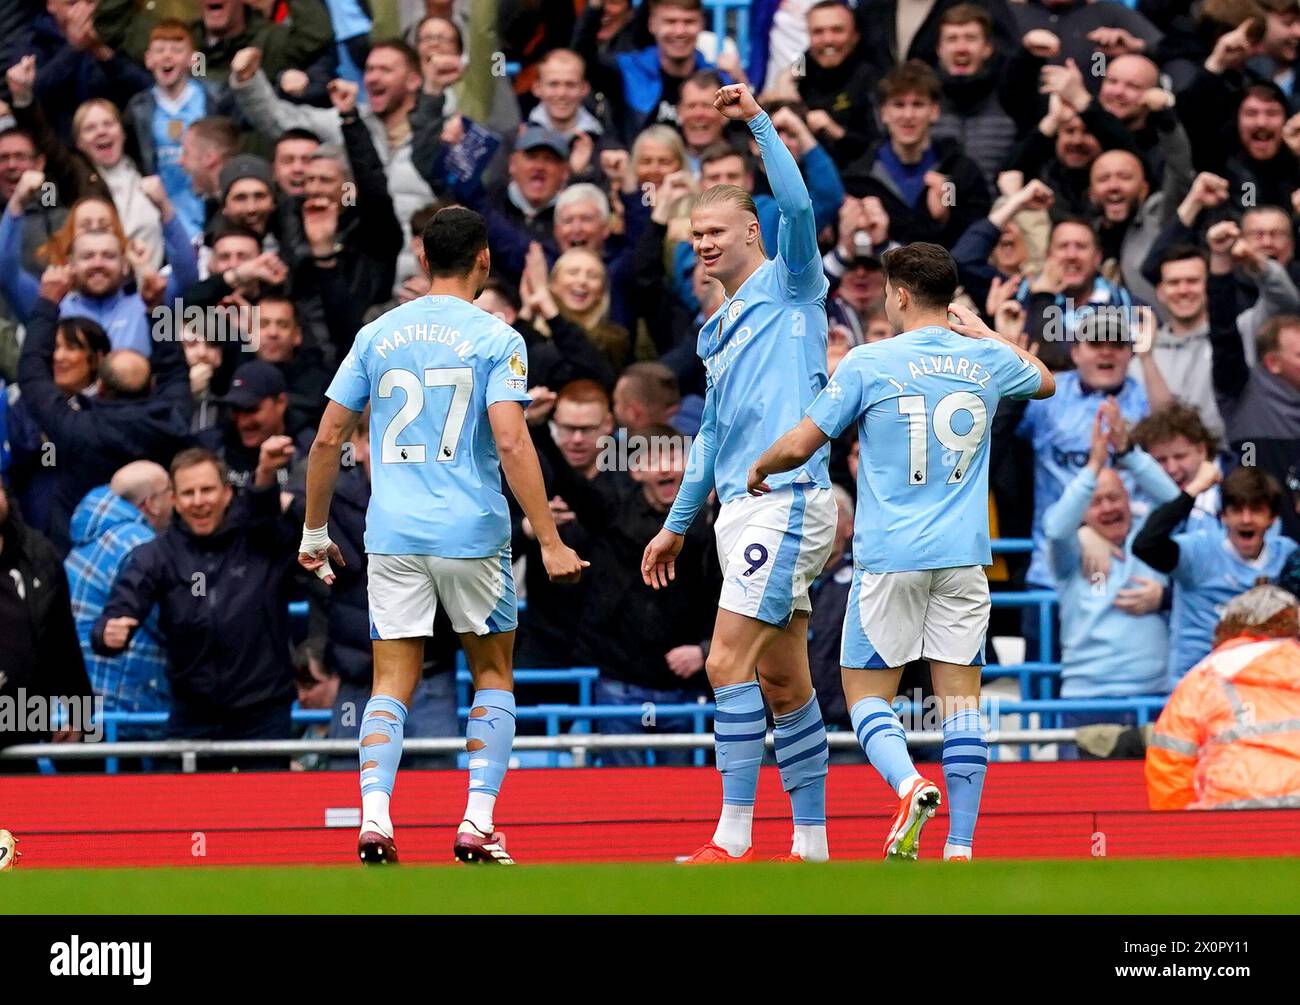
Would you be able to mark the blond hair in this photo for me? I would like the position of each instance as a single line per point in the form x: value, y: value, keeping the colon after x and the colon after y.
x: 730, y: 195
x: 85, y: 108
x: 609, y: 338
x: 597, y: 312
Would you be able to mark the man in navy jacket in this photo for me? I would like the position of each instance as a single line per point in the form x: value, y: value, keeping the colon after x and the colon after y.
x: 220, y: 577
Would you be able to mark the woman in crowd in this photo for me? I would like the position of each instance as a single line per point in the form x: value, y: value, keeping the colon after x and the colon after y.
x: 89, y: 214
x: 580, y: 285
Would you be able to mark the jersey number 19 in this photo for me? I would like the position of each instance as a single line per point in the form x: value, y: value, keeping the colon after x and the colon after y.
x: 918, y: 432
x: 459, y: 378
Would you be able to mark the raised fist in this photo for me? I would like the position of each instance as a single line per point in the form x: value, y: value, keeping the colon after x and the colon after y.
x: 21, y: 78
x: 56, y: 280
x: 1208, y: 190
x: 29, y: 183
x: 246, y: 63
x: 1041, y: 43
x: 343, y: 95
x: 735, y: 101
x: 1222, y: 236
x: 294, y: 82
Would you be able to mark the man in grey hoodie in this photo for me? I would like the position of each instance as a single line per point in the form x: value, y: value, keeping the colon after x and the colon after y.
x: 1178, y: 363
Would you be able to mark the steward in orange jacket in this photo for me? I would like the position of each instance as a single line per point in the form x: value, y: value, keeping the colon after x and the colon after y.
x: 1229, y: 738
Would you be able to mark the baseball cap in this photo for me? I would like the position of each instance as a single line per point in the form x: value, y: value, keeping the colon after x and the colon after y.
x: 536, y: 136
x: 1103, y: 323
x: 253, y: 383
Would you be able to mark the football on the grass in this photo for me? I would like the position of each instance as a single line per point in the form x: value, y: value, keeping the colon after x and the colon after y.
x: 8, y: 851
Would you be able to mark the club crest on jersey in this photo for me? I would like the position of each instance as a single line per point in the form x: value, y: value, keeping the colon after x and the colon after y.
x: 734, y: 310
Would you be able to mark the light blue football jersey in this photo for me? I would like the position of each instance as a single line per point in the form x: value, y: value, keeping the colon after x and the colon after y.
x: 429, y: 370
x: 924, y: 403
x: 1208, y: 575
x: 764, y: 351
x: 1060, y: 429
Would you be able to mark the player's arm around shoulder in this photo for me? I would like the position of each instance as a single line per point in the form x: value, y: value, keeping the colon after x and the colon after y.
x: 838, y: 405
x: 965, y: 321
x: 792, y: 450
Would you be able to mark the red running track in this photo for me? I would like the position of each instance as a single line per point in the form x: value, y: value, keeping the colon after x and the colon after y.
x: 1034, y: 810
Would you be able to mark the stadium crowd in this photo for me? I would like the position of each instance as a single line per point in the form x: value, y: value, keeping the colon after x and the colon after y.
x: 204, y: 202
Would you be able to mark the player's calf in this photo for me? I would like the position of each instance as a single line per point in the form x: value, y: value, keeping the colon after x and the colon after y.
x: 489, y: 736
x: 883, y: 741
x: 802, y: 757
x: 885, y: 744
x: 380, y: 749
x: 739, y: 731
x: 965, y: 763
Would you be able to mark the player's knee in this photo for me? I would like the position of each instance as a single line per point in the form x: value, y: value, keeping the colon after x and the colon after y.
x: 474, y: 744
x: 723, y: 667
x: 783, y: 693
x: 781, y: 697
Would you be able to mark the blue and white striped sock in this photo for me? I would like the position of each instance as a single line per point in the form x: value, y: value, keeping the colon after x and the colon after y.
x: 883, y: 741
x: 965, y: 763
x: 380, y: 749
x: 489, y: 735
x: 802, y: 757
x: 739, y: 729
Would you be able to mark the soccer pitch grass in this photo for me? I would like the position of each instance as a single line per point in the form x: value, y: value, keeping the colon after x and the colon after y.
x: 1184, y: 886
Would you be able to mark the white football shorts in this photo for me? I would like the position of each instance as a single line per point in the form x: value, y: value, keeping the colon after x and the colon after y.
x: 771, y: 547
x: 893, y: 618
x: 404, y: 591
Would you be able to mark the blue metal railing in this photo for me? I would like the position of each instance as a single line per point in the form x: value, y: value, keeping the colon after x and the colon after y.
x: 1036, y: 679
x: 730, y: 19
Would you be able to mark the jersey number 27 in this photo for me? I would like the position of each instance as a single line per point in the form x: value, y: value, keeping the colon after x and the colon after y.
x: 459, y: 378
x: 963, y: 445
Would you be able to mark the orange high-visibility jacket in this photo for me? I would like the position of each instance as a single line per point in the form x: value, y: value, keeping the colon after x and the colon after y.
x: 1230, y: 736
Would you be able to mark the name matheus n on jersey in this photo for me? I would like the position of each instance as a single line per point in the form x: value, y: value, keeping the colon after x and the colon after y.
x: 399, y: 338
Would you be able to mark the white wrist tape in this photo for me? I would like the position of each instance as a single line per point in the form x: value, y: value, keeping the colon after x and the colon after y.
x: 314, y: 540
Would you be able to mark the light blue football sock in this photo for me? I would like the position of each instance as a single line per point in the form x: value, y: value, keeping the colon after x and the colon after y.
x: 965, y: 763
x: 380, y: 749
x: 496, y: 732
x: 802, y: 757
x: 882, y: 739
x: 739, y: 729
